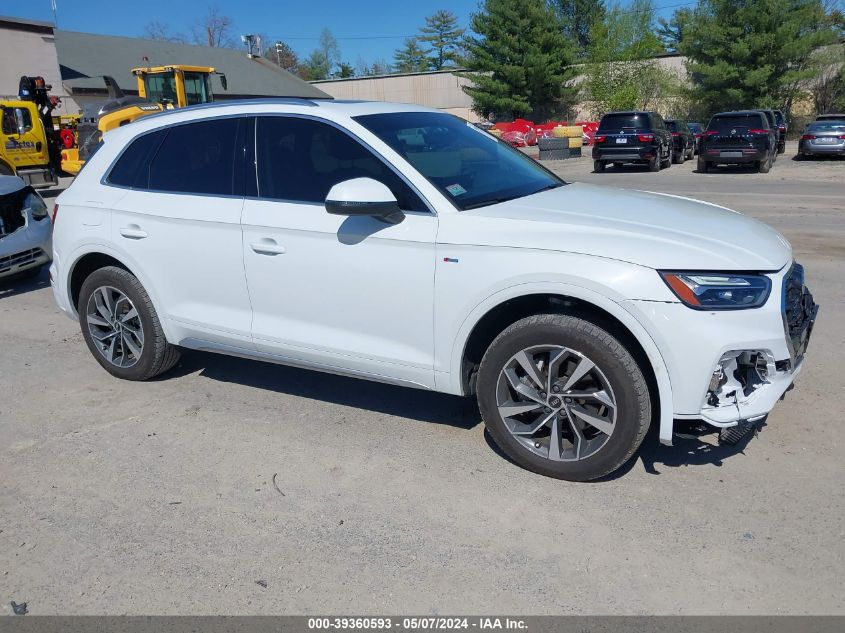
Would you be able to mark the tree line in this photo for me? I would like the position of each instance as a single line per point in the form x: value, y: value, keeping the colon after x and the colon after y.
x: 539, y: 58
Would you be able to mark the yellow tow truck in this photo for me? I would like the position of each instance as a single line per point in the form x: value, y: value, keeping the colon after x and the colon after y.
x: 159, y: 88
x: 28, y: 140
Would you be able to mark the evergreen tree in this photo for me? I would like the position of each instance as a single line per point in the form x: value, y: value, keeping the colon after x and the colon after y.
x: 410, y: 58
x: 578, y: 18
x: 442, y: 33
x: 755, y: 53
x: 672, y: 31
x: 520, y: 60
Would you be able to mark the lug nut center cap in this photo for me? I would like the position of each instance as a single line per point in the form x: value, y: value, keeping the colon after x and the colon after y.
x: 555, y: 402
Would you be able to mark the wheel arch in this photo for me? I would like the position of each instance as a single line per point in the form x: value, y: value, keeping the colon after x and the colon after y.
x: 508, y: 306
x: 96, y: 256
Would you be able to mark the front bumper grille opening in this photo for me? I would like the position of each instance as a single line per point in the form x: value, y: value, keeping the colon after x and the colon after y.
x: 17, y: 260
x: 799, y: 311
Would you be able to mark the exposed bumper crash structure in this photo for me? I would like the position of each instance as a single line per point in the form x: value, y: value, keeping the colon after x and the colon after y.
x: 25, y: 229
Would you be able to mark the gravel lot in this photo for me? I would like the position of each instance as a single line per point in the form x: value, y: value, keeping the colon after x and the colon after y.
x: 159, y: 498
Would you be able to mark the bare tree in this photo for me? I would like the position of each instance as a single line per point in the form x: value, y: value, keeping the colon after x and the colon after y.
x: 156, y: 30
x: 214, y: 29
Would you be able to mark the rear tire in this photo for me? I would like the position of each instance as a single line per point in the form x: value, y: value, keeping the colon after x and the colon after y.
x: 678, y: 157
x: 596, y: 434
x: 703, y: 165
x: 121, y: 327
x: 666, y: 162
x: 598, y: 166
x: 763, y: 166
x: 654, y: 164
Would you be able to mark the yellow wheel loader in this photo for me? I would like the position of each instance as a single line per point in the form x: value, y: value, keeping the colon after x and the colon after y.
x: 159, y: 88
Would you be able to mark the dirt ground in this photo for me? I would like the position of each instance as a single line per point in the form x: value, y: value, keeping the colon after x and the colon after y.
x: 176, y: 496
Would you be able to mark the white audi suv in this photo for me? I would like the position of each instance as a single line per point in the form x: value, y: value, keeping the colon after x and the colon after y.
x: 404, y: 245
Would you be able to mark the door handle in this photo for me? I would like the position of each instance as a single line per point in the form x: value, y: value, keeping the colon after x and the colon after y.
x: 133, y: 232
x: 267, y: 246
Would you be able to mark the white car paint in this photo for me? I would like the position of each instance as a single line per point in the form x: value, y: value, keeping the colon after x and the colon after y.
x: 291, y: 283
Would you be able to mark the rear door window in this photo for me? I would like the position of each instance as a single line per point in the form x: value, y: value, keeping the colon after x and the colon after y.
x: 197, y: 158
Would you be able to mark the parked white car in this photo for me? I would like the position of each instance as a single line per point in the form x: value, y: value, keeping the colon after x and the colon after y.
x: 403, y: 245
x: 25, y: 230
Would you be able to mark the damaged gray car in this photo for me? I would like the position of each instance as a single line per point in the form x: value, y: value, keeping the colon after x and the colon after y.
x: 25, y: 230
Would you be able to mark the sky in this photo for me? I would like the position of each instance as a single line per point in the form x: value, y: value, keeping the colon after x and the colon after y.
x: 365, y: 29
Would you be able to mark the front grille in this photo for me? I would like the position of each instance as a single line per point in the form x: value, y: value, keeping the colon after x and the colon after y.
x: 20, y: 259
x: 799, y: 310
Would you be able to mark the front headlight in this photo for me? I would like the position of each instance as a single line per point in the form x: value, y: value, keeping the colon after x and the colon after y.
x: 36, y: 203
x: 718, y: 291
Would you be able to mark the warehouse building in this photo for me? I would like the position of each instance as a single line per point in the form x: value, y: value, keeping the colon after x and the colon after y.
x: 74, y: 64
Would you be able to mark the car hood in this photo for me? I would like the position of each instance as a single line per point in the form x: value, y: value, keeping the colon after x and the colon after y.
x: 650, y: 229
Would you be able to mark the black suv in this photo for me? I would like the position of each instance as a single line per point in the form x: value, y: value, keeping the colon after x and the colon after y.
x: 738, y: 138
x: 780, y: 119
x: 683, y: 140
x: 772, y: 121
x: 632, y: 137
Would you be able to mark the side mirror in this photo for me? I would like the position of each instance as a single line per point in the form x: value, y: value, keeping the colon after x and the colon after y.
x: 364, y: 196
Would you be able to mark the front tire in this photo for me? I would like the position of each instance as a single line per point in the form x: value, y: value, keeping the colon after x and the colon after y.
x: 121, y: 327
x: 563, y: 397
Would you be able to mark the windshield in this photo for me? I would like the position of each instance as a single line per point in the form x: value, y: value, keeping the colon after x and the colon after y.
x: 750, y: 120
x: 672, y: 126
x: 695, y: 128
x: 469, y: 166
x: 160, y: 87
x: 620, y: 121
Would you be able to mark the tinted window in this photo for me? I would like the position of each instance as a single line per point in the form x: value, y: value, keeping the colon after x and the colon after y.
x: 10, y: 123
x: 695, y: 128
x: 132, y: 168
x: 612, y: 122
x: 469, y: 166
x: 827, y: 126
x: 750, y: 120
x: 673, y: 126
x: 301, y: 160
x: 196, y: 158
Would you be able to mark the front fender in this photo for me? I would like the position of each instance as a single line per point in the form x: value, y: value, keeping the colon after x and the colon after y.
x: 451, y: 382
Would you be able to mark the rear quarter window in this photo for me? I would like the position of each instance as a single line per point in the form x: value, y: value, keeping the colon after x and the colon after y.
x: 132, y: 168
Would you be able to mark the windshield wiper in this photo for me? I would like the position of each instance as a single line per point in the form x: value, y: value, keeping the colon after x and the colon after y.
x: 488, y: 202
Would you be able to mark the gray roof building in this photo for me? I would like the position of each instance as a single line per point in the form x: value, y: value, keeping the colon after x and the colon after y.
x: 84, y: 58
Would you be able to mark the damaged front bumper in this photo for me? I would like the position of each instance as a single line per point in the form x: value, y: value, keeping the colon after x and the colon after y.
x: 746, y: 385
x: 731, y: 366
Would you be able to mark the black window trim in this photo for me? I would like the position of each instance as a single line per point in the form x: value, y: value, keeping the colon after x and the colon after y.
x: 354, y: 137
x: 164, y: 128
